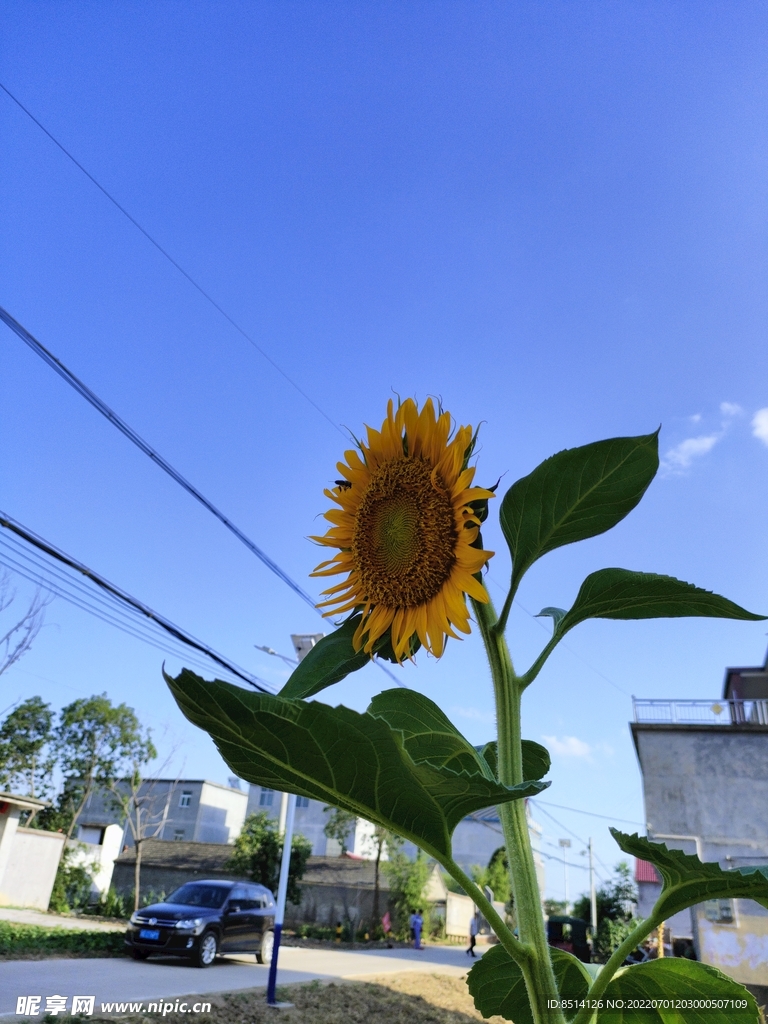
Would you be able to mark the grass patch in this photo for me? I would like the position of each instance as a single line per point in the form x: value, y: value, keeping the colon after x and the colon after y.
x: 25, y: 941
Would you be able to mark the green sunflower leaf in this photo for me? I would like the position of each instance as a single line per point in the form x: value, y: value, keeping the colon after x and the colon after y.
x: 657, y: 992
x: 428, y: 735
x: 623, y: 594
x: 688, y: 880
x: 497, y: 985
x: 350, y: 760
x: 327, y: 663
x: 578, y: 493
x: 536, y: 760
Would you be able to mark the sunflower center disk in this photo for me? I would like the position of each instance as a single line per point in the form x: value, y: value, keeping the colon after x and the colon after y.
x: 404, y: 543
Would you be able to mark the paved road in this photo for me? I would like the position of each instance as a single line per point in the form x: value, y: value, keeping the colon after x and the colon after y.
x: 124, y: 980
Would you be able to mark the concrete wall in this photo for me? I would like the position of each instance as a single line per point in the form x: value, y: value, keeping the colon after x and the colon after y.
x: 710, y: 784
x: 709, y: 781
x: 30, y: 870
x: 99, y: 857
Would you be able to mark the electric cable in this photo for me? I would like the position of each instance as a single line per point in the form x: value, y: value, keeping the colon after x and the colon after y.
x: 175, y: 631
x: 592, y: 814
x: 46, y: 577
x: 90, y: 396
x: 101, y: 406
x: 206, y: 295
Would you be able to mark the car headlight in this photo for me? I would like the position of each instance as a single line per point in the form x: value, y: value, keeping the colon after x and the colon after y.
x: 134, y: 917
x: 190, y: 924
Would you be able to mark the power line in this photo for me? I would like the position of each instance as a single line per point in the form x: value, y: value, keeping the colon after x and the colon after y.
x: 34, y: 569
x: 206, y: 295
x: 592, y: 814
x: 101, y: 406
x: 174, y: 631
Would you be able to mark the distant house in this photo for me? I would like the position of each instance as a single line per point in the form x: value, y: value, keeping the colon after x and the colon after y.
x: 167, y: 864
x: 182, y: 810
x: 704, y: 766
x: 474, y: 841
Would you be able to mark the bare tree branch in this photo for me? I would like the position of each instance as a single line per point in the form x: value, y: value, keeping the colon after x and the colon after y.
x: 18, y: 639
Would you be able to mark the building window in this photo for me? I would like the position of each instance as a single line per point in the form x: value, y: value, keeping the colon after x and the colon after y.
x: 186, y: 798
x: 719, y: 911
x: 267, y: 796
x: 302, y: 801
x: 178, y: 834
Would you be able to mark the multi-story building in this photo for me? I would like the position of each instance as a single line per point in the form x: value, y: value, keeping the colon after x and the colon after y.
x: 704, y: 767
x: 474, y: 841
x: 188, y: 810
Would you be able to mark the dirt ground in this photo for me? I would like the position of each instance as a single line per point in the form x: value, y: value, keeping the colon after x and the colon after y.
x: 403, y: 999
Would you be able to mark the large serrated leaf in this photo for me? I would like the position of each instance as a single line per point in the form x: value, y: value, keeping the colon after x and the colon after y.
x: 624, y: 594
x: 428, y: 734
x: 329, y: 661
x: 578, y: 493
x: 687, y: 880
x: 353, y: 761
x: 675, y: 991
x: 497, y: 986
x: 536, y: 760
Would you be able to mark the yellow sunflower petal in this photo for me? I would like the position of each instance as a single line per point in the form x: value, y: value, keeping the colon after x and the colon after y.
x: 403, y: 527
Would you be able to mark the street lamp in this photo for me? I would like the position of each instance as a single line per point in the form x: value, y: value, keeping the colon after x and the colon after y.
x: 565, y: 844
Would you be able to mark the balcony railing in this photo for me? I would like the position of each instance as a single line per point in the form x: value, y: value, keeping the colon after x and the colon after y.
x: 701, y: 712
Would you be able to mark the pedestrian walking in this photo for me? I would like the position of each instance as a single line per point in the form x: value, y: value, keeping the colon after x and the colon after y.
x: 417, y: 923
x: 474, y: 927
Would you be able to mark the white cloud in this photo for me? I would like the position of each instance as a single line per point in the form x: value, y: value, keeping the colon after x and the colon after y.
x: 731, y: 409
x: 478, y: 716
x: 696, y: 418
x: 568, y: 746
x: 682, y: 455
x: 760, y: 425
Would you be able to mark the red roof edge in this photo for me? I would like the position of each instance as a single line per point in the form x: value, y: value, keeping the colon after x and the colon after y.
x: 645, y: 871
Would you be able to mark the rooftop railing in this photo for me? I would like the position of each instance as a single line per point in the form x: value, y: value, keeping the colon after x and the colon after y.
x: 701, y: 712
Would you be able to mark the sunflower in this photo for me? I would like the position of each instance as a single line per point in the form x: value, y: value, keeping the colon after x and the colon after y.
x: 406, y: 530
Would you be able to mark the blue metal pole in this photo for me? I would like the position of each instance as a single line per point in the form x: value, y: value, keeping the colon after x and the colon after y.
x: 282, y: 892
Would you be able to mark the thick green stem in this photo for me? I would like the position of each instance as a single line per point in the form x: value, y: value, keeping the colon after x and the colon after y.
x: 519, y: 953
x: 537, y: 971
x: 600, y: 984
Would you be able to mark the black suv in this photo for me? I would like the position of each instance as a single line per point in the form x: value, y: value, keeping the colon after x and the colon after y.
x: 204, y: 918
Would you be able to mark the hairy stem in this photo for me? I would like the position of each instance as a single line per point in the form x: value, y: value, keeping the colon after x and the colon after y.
x: 519, y: 953
x: 537, y: 970
x: 600, y: 984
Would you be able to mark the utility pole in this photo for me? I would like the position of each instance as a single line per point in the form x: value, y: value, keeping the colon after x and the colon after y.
x: 592, y: 895
x: 303, y: 644
x: 564, y: 844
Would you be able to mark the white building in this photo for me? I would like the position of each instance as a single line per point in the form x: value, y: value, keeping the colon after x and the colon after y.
x: 475, y: 839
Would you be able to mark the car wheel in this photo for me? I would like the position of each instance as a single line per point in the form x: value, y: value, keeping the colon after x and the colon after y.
x: 205, y: 950
x: 139, y: 954
x: 264, y: 955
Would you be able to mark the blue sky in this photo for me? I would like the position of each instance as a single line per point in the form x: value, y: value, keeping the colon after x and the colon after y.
x: 551, y: 215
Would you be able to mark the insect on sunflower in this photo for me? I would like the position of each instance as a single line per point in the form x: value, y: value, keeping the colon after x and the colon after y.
x: 406, y: 529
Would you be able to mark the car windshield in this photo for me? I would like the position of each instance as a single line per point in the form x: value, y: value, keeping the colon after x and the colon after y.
x: 197, y: 894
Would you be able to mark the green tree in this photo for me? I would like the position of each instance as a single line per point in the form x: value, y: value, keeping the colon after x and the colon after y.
x: 72, y: 885
x: 383, y: 840
x: 407, y: 880
x: 616, y: 902
x: 258, y: 852
x: 135, y: 798
x: 26, y: 760
x: 495, y: 876
x: 95, y: 743
x: 339, y: 825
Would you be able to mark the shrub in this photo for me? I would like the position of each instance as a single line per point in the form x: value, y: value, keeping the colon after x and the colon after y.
x: 25, y: 938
